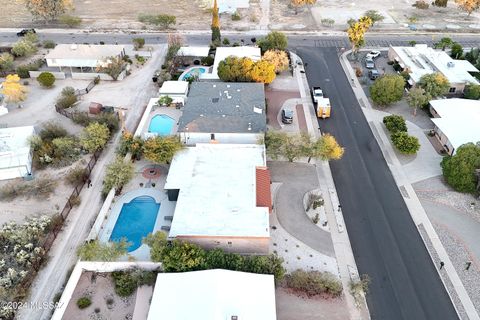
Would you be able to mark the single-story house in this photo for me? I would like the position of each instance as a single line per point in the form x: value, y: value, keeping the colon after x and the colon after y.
x: 82, y: 56
x: 225, y: 112
x: 457, y: 121
x: 15, y: 152
x: 213, y: 295
x: 421, y: 60
x: 192, y: 55
x: 222, y: 53
x: 223, y: 197
x: 177, y: 90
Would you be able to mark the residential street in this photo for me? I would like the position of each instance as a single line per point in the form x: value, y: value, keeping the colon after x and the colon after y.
x: 387, y: 246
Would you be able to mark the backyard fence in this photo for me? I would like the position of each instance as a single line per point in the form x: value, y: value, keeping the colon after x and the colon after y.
x: 58, y: 221
x: 93, y: 83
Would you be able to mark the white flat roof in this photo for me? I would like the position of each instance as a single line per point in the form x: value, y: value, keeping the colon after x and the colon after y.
x: 217, y: 195
x: 422, y: 60
x: 213, y: 295
x: 14, y: 146
x: 84, y: 51
x: 222, y: 53
x: 174, y: 87
x: 193, y: 51
x: 459, y: 120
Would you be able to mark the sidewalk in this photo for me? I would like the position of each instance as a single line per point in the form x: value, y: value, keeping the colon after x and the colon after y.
x: 341, y: 242
x: 419, y: 216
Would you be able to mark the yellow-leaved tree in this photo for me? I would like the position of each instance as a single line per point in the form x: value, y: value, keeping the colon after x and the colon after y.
x: 300, y: 3
x: 13, y: 90
x: 263, y: 71
x: 356, y: 32
x: 48, y: 10
x: 468, y: 5
x: 327, y: 148
x: 278, y: 58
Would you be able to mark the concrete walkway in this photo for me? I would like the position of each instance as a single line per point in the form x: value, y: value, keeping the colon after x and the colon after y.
x: 265, y: 18
x: 417, y: 212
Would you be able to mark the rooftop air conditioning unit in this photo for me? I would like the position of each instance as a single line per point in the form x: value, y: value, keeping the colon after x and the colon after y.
x: 450, y: 64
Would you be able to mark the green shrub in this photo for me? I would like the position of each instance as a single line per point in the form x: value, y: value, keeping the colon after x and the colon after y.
x: 387, y: 89
x: 52, y: 130
x: 125, y: 284
x: 71, y: 21
x: 117, y: 174
x: 459, y: 169
x: 314, y: 283
x: 472, y: 91
x: 327, y: 22
x: 24, y: 48
x: 84, y: 302
x: 110, y: 119
x: 138, y: 43
x: 374, y: 15
x: 164, y: 21
x: 274, y: 40
x: 405, y: 143
x: 46, y: 79
x: 22, y: 70
x: 49, y: 44
x: 226, y: 42
x: 207, y: 61
x: 395, y: 123
x: 440, y: 3
x: 236, y: 16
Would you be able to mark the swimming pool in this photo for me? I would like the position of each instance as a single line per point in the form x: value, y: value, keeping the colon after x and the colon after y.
x: 136, y: 220
x: 161, y: 124
x: 193, y: 71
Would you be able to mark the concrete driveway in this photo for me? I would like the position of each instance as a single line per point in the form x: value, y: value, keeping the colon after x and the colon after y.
x: 297, y: 179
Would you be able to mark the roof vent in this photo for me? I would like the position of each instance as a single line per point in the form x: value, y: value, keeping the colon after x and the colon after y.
x: 234, y: 318
x: 214, y: 85
x: 238, y: 90
x: 73, y: 47
x: 228, y: 86
x: 215, y: 100
x: 257, y: 110
x: 249, y: 126
x: 450, y: 64
x: 237, y: 106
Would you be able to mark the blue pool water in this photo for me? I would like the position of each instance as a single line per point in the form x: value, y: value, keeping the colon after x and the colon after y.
x: 136, y: 220
x: 161, y: 124
x: 194, y: 71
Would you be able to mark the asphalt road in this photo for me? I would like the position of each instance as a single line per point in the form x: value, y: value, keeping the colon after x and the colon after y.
x: 386, y: 244
x: 203, y: 38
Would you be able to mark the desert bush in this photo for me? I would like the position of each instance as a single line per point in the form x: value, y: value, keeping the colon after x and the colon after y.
x: 164, y: 21
x: 327, y: 22
x: 70, y: 21
x: 129, y: 143
x: 314, y: 283
x: 67, y: 98
x: 374, y: 15
x: 46, y: 79
x: 125, y: 284
x: 49, y: 44
x: 84, y: 302
x: 76, y: 175
x: 138, y: 43
x: 42, y: 186
x: 22, y: 70
x: 94, y: 137
x: 395, y: 123
x: 421, y: 5
x: 405, y: 143
x: 24, y: 48
x: 440, y: 3
x: 236, y: 16
x: 117, y: 174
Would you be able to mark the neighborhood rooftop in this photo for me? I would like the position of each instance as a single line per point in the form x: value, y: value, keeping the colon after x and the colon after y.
x: 217, y: 195
x: 193, y: 51
x: 213, y: 295
x: 15, y: 155
x: 224, y: 107
x: 459, y: 120
x: 421, y: 60
x: 84, y: 51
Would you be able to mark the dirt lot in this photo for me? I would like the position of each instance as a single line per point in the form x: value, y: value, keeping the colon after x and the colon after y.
x: 100, y: 14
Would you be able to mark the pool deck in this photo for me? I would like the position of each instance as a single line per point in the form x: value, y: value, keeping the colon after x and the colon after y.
x: 168, y: 111
x: 189, y: 69
x: 166, y: 209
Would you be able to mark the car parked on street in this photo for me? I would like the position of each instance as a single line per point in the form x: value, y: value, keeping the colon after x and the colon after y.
x: 373, y: 74
x: 287, y: 116
x: 369, y: 63
x: 373, y: 54
x: 25, y: 31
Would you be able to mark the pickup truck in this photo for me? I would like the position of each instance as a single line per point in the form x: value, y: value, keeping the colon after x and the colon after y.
x: 317, y: 93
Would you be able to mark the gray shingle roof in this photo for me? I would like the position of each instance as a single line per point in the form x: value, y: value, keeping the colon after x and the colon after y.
x: 224, y: 107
